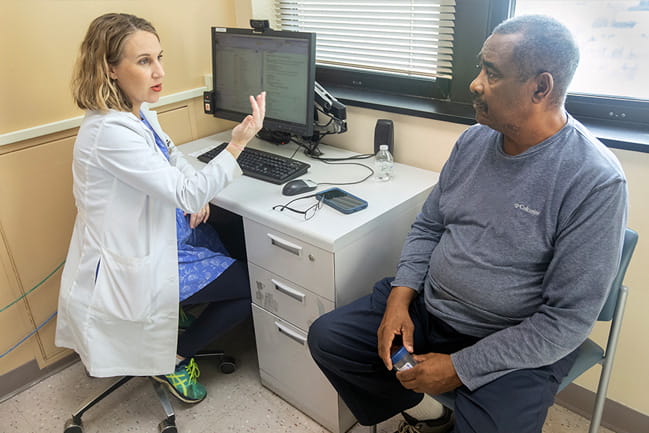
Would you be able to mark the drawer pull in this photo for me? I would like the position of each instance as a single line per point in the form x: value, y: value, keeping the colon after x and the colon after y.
x: 298, y: 296
x: 290, y: 333
x: 285, y: 245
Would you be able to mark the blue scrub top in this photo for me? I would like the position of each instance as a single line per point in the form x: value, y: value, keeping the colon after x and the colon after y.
x: 202, y: 257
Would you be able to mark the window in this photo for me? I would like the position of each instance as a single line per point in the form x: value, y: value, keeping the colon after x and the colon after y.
x: 405, y: 56
x: 404, y: 38
x: 613, y: 38
x: 412, y: 76
x: 434, y: 85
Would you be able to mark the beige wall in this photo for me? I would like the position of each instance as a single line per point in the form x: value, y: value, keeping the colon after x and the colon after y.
x: 39, y: 40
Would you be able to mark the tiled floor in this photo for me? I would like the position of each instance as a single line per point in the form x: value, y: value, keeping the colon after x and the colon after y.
x: 236, y: 403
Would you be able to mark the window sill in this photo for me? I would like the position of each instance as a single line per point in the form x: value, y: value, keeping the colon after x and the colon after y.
x: 403, y: 104
x: 615, y: 135
x: 619, y: 136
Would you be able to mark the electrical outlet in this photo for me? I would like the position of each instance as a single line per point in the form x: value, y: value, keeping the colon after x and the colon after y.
x: 207, y: 79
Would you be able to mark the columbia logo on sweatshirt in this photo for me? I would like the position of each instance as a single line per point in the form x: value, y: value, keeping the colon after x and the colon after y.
x: 525, y: 208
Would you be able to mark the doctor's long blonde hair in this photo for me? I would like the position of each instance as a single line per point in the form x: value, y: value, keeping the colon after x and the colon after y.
x: 103, y: 46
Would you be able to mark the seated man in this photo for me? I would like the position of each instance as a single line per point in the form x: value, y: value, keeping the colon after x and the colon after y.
x: 507, y: 266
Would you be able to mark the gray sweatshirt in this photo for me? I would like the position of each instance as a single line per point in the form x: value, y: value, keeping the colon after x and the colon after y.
x: 519, y: 250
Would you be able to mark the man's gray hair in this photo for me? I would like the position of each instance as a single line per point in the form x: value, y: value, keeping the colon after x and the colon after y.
x: 546, y: 46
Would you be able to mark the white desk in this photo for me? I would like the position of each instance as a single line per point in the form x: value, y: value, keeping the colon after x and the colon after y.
x: 301, y: 269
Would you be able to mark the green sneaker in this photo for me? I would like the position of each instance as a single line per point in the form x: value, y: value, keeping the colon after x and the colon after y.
x: 182, y: 383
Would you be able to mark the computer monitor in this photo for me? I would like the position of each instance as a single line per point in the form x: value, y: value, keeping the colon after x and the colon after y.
x: 245, y: 62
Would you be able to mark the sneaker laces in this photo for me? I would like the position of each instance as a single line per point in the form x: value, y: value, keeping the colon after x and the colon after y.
x: 192, y: 371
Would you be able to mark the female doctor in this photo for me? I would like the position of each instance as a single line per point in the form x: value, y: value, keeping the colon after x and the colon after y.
x: 136, y: 247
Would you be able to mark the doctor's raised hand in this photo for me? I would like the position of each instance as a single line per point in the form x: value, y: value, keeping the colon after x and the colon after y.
x: 241, y: 135
x: 244, y: 131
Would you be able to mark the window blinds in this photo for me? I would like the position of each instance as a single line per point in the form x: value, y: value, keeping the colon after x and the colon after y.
x: 407, y: 37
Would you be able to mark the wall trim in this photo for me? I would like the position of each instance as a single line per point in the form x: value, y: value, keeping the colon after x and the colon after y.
x: 617, y: 417
x: 62, y: 125
x: 29, y: 374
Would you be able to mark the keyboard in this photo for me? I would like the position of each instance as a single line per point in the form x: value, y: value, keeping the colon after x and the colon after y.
x: 262, y: 165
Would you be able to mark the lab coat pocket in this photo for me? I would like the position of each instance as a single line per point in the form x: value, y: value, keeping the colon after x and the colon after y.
x: 123, y: 287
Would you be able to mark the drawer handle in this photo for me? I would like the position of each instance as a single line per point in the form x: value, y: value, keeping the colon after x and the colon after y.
x: 291, y: 334
x: 285, y: 245
x: 298, y: 296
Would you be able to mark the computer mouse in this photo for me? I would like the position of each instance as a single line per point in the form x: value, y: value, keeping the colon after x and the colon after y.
x: 298, y: 186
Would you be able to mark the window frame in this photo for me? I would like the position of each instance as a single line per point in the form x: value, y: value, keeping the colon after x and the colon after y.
x: 445, y: 99
x: 620, y: 123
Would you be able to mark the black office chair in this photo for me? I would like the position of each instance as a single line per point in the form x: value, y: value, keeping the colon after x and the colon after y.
x: 74, y: 424
x: 590, y: 353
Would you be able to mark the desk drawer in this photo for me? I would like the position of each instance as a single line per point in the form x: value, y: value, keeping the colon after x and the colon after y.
x: 293, y: 259
x: 287, y: 368
x: 285, y: 299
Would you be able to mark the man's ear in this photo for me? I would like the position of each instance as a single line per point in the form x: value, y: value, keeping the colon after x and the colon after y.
x: 544, y: 83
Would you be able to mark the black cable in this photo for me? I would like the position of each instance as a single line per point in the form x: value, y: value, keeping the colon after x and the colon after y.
x: 311, y: 149
x: 346, y: 163
x: 348, y: 158
x: 296, y: 149
x: 336, y: 161
x: 331, y: 118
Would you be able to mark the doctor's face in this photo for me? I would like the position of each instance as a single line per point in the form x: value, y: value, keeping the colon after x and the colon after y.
x: 139, y: 72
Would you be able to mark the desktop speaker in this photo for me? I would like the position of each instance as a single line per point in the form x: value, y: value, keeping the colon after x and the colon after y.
x: 384, y: 134
x: 208, y: 102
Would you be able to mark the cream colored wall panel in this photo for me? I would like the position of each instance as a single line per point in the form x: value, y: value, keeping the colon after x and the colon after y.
x: 186, y: 121
x: 14, y: 321
x: 206, y: 124
x: 37, y: 217
x: 42, y: 303
x: 176, y: 122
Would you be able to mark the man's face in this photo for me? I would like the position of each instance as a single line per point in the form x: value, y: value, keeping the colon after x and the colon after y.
x: 500, y: 99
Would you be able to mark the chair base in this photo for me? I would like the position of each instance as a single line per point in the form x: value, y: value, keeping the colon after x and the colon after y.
x: 167, y: 425
x: 226, y: 363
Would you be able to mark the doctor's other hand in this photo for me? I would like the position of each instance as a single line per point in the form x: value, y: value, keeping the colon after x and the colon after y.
x: 250, y: 126
x: 201, y: 216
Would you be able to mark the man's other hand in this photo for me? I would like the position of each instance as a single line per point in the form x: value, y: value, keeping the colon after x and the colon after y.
x: 434, y: 374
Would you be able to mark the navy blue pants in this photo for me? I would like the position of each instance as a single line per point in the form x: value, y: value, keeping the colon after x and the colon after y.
x: 343, y: 343
x: 228, y: 304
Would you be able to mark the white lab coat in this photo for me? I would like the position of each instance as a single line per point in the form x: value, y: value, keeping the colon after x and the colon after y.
x: 118, y: 303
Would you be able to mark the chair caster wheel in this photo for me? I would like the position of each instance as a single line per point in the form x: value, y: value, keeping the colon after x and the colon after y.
x: 228, y: 365
x: 73, y: 427
x: 167, y: 426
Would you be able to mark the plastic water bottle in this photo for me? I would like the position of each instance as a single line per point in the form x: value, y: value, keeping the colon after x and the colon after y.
x: 383, y: 163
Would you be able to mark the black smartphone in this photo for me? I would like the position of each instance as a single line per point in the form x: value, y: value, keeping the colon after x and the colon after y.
x: 341, y: 200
